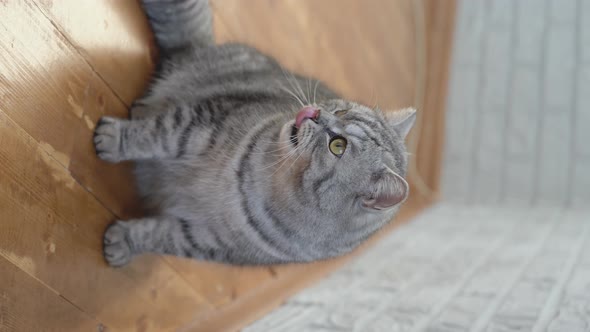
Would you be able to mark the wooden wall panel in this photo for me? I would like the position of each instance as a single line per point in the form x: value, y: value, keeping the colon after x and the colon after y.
x: 63, y: 64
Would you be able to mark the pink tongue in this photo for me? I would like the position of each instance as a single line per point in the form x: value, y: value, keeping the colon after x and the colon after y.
x: 308, y: 112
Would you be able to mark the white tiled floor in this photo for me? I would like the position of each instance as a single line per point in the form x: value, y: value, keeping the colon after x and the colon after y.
x: 458, y: 268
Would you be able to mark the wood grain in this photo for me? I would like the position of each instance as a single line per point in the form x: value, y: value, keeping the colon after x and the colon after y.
x: 54, y: 95
x: 220, y: 284
x: 28, y: 305
x: 125, y: 63
x: 51, y: 230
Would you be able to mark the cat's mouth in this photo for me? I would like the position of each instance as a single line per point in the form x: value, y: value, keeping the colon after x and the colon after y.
x: 306, y: 113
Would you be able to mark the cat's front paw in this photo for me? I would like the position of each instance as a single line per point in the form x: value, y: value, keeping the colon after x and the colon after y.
x: 117, y: 251
x: 107, y: 139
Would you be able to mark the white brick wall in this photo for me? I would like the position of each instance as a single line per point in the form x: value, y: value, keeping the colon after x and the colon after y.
x: 563, y: 11
x: 582, y: 118
x: 559, y: 68
x: 584, y: 18
x: 528, y: 129
x: 581, y: 195
x: 530, y: 25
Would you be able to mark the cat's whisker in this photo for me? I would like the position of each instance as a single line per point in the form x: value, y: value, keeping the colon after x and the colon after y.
x: 294, y: 161
x: 299, y: 147
x: 283, y: 148
x: 298, y: 86
x: 309, y: 90
x: 280, y: 162
x: 299, y: 156
x: 294, y: 96
x: 289, y: 155
x: 373, y: 97
x: 300, y: 89
x: 295, y: 86
x: 315, y: 89
x: 284, y: 158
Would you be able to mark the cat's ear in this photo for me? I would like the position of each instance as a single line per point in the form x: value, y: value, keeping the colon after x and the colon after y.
x: 389, y: 191
x: 401, y: 120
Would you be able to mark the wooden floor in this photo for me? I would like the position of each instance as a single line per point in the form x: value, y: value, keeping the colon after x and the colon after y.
x: 64, y: 64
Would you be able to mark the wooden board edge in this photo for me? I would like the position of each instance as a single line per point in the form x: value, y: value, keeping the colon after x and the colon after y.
x: 440, y: 26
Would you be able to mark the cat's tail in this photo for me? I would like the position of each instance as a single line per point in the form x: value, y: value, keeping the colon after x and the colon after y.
x: 180, y: 24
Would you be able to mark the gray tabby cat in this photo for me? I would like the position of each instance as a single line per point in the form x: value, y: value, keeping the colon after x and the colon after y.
x: 237, y: 166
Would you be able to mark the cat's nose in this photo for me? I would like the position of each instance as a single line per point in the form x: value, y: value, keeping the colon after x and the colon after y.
x: 308, y: 112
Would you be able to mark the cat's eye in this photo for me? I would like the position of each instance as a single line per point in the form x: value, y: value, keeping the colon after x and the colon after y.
x: 338, y: 146
x: 340, y: 112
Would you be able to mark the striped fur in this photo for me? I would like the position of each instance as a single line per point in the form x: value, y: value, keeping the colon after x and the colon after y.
x: 219, y: 171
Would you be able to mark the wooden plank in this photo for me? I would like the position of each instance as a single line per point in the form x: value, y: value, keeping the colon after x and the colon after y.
x: 113, y: 36
x: 52, y: 93
x: 221, y: 284
x: 23, y: 298
x: 51, y: 229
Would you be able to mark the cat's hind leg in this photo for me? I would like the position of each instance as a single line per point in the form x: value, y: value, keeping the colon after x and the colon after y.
x: 163, y: 235
x: 180, y: 24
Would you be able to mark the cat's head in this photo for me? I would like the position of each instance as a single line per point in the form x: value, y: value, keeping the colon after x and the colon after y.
x: 348, y: 159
